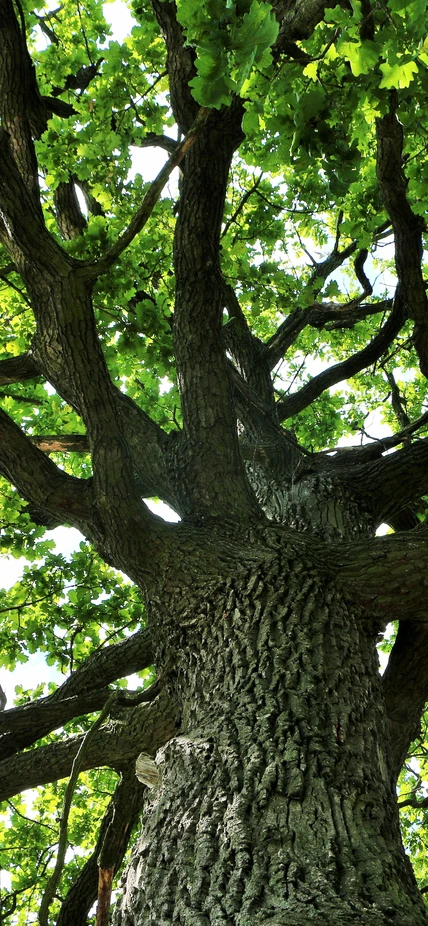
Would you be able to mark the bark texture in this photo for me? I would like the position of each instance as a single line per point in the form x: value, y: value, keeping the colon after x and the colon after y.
x: 276, y: 800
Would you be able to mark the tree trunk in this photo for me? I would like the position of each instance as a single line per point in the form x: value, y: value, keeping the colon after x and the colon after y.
x: 275, y: 804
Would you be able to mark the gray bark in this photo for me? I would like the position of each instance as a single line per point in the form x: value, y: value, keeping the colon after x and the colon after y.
x: 276, y: 800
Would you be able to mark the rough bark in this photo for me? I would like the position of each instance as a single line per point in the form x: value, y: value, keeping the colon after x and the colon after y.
x: 276, y: 801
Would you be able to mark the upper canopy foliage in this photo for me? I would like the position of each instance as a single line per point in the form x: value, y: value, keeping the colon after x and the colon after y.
x: 329, y: 169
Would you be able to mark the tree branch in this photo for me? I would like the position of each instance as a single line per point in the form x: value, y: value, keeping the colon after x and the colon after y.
x: 319, y: 314
x: 50, y: 443
x: 213, y: 473
x: 387, y: 575
x: 94, y: 269
x: 108, y: 664
x: 244, y: 199
x: 397, y: 402
x: 180, y: 64
x: 274, y: 350
x: 31, y: 722
x: 339, y: 456
x: 18, y: 369
x: 395, y: 480
x: 76, y: 767
x: 116, y: 828
x: 405, y: 687
x: 151, y: 140
x: 23, y: 233
x: 20, y: 102
x: 145, y: 728
x: 70, y: 219
x: 293, y: 404
x: 408, y: 227
x: 41, y: 482
x: 298, y: 18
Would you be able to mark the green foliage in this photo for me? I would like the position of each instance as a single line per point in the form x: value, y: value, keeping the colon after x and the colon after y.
x: 66, y: 609
x: 29, y: 836
x: 303, y: 180
x: 230, y: 39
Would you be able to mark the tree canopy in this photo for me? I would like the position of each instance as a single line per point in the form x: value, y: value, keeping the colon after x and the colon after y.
x: 305, y: 127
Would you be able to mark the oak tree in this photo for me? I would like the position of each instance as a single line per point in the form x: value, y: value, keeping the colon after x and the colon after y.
x: 250, y: 346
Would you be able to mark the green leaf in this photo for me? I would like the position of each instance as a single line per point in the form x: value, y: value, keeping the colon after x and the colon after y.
x: 362, y: 57
x: 257, y: 31
x: 398, y: 75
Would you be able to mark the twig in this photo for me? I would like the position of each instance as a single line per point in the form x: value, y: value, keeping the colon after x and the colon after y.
x: 53, y: 882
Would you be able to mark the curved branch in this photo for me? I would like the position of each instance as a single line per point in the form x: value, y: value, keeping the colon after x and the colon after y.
x: 395, y: 480
x: 332, y: 316
x: 151, y: 140
x: 145, y: 728
x: 408, y: 227
x: 36, y: 719
x: 67, y: 499
x: 293, y: 404
x: 405, y: 688
x: 27, y: 727
x: 108, y: 664
x: 339, y: 456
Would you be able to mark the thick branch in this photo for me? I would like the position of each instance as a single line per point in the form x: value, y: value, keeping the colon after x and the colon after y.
x: 405, y: 687
x: 285, y: 336
x: 145, y: 728
x: 264, y: 441
x: 213, y: 471
x: 347, y: 456
x: 22, y: 231
x: 108, y: 664
x: 35, y: 720
x: 20, y: 102
x: 395, y: 480
x: 298, y: 18
x: 151, y: 140
x: 18, y: 369
x: 180, y: 64
x: 387, y: 575
x: 408, y: 228
x: 293, y: 404
x: 47, y: 715
x: 71, y: 222
x: 41, y: 482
